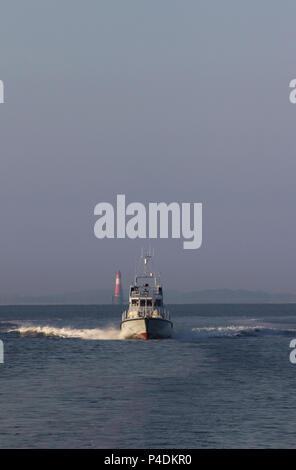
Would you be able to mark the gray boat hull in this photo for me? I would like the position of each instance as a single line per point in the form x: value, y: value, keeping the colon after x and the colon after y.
x: 146, y: 328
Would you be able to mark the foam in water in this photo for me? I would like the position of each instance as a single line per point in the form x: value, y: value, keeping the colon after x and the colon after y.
x: 113, y: 333
x: 109, y: 333
x: 229, y: 331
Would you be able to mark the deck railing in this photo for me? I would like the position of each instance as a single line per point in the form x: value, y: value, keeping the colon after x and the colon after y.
x: 147, y: 312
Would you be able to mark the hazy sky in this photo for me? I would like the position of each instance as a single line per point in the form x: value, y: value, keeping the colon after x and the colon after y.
x: 167, y: 100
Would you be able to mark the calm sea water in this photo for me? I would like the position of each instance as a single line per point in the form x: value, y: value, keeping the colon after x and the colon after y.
x: 224, y: 380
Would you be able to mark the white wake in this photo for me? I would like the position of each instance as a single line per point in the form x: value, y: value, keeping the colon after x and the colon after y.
x: 108, y: 333
x: 230, y: 331
x: 113, y: 333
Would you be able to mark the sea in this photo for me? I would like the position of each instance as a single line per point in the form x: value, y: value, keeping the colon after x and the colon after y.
x: 224, y: 380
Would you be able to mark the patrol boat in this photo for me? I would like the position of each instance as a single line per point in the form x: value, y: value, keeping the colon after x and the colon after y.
x: 146, y: 317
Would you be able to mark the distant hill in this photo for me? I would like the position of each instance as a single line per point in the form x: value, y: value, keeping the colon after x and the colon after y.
x: 230, y: 296
x: 104, y: 296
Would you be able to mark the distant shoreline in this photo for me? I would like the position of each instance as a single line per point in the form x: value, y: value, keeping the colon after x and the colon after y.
x: 205, y: 296
x: 41, y: 304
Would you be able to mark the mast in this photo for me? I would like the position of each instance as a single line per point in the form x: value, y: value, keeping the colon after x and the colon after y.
x: 147, y: 269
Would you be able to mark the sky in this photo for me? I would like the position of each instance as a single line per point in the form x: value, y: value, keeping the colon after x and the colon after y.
x: 161, y: 101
